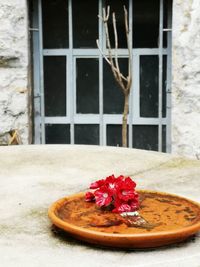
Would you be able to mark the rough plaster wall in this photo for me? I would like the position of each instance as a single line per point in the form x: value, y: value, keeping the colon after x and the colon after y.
x: 13, y: 69
x: 185, y: 85
x: 186, y: 78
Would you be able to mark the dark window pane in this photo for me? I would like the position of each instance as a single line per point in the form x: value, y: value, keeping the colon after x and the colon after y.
x: 113, y: 98
x: 85, y: 23
x: 114, y: 135
x: 145, y: 23
x: 55, y: 23
x: 164, y: 92
x: 55, y: 85
x: 57, y: 133
x: 165, y: 17
x: 87, y: 134
x: 166, y: 23
x: 164, y: 39
x: 164, y: 138
x: 87, y: 84
x: 146, y: 137
x: 117, y: 7
x: 149, y: 86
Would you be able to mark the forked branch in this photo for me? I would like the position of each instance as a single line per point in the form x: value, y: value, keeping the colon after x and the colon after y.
x: 112, y: 59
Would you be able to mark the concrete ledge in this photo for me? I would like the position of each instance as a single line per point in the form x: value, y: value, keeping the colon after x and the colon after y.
x: 32, y: 177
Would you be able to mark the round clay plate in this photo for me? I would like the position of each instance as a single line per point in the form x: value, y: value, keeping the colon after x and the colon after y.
x: 168, y: 219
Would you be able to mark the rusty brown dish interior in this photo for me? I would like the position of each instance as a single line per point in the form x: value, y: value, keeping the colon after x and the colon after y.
x: 167, y: 217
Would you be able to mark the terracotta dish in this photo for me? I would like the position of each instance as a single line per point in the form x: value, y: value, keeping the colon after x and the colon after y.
x: 163, y: 219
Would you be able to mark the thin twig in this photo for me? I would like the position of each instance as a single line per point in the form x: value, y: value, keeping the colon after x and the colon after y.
x: 114, y: 70
x: 116, y: 43
x: 129, y: 77
x: 112, y: 60
x: 105, y: 20
x: 108, y: 61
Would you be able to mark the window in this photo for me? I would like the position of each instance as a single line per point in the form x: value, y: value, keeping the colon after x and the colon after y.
x: 76, y: 99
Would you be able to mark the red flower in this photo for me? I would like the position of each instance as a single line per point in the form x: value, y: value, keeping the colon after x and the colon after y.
x: 111, y: 182
x: 97, y: 184
x: 123, y: 206
x: 126, y: 189
x: 134, y: 204
x: 118, y: 191
x: 89, y: 196
x: 120, y: 178
x: 129, y: 182
x: 103, y: 196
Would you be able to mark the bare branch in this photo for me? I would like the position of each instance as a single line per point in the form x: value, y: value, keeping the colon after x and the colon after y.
x: 129, y: 77
x: 108, y: 61
x: 116, y: 48
x: 113, y: 61
x: 114, y: 69
x: 105, y: 21
x: 108, y: 13
x: 105, y: 57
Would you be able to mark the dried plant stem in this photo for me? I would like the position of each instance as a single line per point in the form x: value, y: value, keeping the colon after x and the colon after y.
x: 124, y: 120
x: 112, y: 60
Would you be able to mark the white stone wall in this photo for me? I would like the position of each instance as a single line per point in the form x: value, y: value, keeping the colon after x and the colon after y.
x: 14, y: 87
x: 13, y: 69
x: 186, y: 78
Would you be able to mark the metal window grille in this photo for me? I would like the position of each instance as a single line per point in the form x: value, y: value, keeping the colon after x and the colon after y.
x: 73, y: 118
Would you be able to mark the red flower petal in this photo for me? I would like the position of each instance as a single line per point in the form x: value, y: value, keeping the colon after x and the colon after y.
x: 134, y: 204
x: 129, y: 182
x: 126, y: 189
x: 97, y: 184
x: 110, y: 182
x: 110, y: 179
x: 122, y: 208
x: 89, y: 196
x: 126, y: 194
x: 103, y: 196
x: 120, y: 178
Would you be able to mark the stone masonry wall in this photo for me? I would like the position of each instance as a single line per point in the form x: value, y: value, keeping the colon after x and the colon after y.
x: 186, y: 78
x: 14, y: 86
x: 13, y: 70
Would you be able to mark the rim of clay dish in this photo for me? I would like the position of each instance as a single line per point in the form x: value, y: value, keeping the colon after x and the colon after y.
x: 186, y: 231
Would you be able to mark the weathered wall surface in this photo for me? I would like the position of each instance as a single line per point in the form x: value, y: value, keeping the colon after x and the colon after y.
x: 186, y: 78
x: 13, y: 69
x: 185, y: 68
